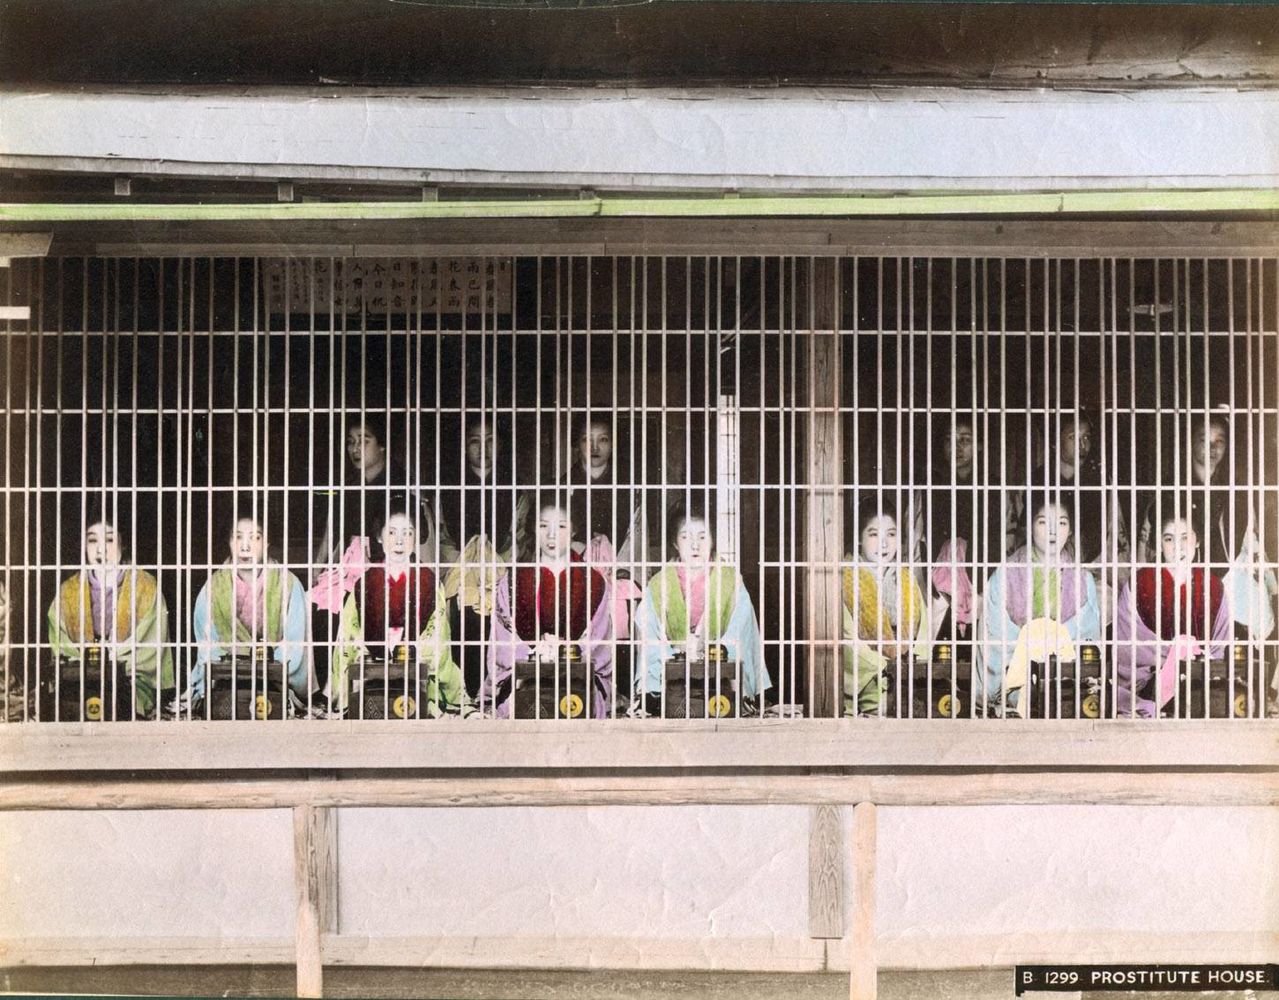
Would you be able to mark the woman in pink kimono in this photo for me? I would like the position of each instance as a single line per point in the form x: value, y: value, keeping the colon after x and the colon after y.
x: 540, y: 608
x: 1167, y: 613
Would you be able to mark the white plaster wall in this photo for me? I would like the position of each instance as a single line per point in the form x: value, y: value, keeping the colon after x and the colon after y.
x: 670, y: 872
x: 657, y: 872
x: 992, y: 870
x: 916, y: 138
x: 161, y: 874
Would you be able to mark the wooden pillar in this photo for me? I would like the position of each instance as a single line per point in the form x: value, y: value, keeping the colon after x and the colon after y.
x: 862, y: 981
x: 307, y: 865
x: 825, y: 872
x: 824, y: 518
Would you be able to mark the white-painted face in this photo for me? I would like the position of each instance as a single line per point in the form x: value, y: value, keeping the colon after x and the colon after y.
x: 694, y: 542
x: 1178, y: 542
x: 1050, y: 530
x: 481, y: 448
x: 101, y: 546
x: 1207, y: 449
x: 398, y: 538
x: 248, y: 544
x: 596, y: 447
x: 554, y: 533
x: 364, y: 450
x: 878, y: 541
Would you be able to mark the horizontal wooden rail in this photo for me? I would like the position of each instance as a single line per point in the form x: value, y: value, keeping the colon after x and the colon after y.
x: 583, y: 745
x: 940, y: 789
x: 964, y: 238
x: 913, y: 951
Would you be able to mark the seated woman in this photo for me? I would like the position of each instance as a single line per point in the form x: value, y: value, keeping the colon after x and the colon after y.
x: 251, y: 601
x: 885, y: 616
x: 1039, y: 601
x: 482, y: 528
x: 1166, y: 614
x: 604, y: 499
x: 694, y: 602
x: 966, y: 529
x: 538, y: 609
x: 397, y: 601
x: 1100, y: 529
x: 119, y: 607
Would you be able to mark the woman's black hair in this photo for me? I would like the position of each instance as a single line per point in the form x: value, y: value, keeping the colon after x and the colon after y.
x: 1039, y: 499
x: 397, y: 506
x: 371, y: 422
x: 695, y: 508
x: 100, y: 511
x: 1172, y: 505
x: 873, y: 505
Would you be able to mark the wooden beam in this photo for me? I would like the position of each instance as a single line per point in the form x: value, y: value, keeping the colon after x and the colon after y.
x: 1052, y: 787
x: 18, y: 244
x: 324, y: 837
x: 823, y: 515
x: 1037, y: 238
x: 307, y: 865
x: 863, y: 960
x: 825, y: 872
x: 767, y: 954
x: 454, y: 745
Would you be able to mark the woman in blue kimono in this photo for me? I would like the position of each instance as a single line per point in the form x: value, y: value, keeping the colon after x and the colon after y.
x: 693, y: 602
x: 1039, y: 601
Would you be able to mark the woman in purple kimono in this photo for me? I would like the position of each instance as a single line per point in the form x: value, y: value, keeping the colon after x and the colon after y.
x: 1167, y: 613
x: 539, y: 608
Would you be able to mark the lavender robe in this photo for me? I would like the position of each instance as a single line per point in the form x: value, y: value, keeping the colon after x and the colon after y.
x: 505, y: 647
x: 1139, y: 651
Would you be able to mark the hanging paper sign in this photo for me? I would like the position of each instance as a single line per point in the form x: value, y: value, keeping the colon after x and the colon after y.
x: 387, y: 285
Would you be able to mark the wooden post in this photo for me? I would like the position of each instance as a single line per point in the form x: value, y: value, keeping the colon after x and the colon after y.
x: 825, y: 872
x: 825, y: 513
x: 862, y: 980
x: 324, y: 835
x: 307, y: 864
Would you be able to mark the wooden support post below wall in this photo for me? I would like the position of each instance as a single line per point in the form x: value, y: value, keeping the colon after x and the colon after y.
x: 825, y: 872
x: 825, y: 512
x: 308, y: 862
x: 863, y: 962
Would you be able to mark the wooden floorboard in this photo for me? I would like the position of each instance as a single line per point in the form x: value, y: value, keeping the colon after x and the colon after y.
x: 459, y: 984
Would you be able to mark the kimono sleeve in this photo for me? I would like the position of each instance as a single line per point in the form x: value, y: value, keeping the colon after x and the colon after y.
x: 654, y: 649
x: 741, y: 637
x: 999, y: 637
x: 1086, y: 624
x: 435, y: 648
x: 292, y: 648
x: 60, y: 640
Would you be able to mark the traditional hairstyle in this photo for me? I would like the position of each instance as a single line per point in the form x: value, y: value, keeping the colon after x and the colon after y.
x: 371, y: 422
x: 692, y: 507
x: 874, y: 504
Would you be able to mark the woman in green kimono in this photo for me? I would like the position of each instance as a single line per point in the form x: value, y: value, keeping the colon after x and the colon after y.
x: 694, y: 602
x: 397, y: 601
x: 885, y: 615
x: 119, y: 607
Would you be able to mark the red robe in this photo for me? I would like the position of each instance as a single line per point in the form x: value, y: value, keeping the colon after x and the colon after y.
x: 1179, y: 610
x: 386, y: 604
x: 561, y: 605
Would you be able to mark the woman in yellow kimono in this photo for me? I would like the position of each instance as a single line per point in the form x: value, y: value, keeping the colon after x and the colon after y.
x: 885, y: 615
x: 112, y: 604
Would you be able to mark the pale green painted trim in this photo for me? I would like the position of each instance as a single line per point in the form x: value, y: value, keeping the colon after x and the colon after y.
x: 1081, y: 202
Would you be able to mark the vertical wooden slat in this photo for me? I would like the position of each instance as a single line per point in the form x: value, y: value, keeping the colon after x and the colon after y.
x: 825, y: 520
x: 324, y: 836
x: 825, y: 872
x: 862, y: 981
x: 306, y: 883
